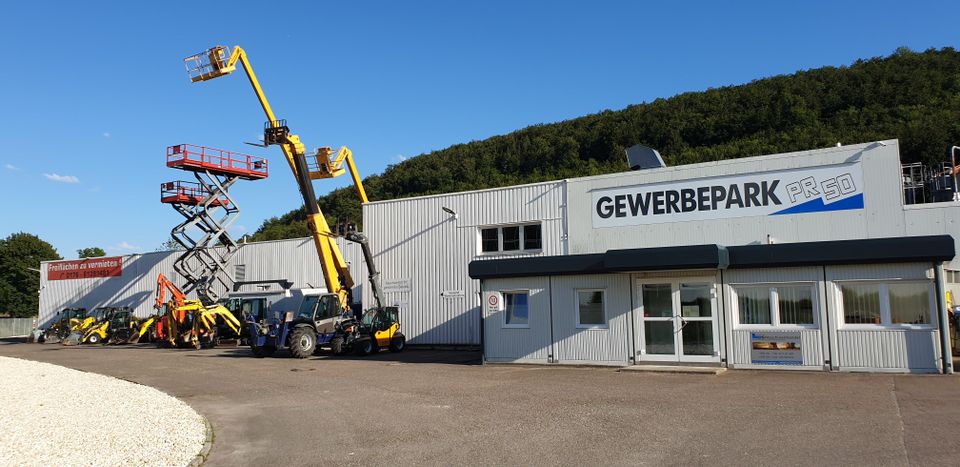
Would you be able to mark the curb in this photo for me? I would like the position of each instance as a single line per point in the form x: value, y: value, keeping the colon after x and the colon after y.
x: 201, y: 457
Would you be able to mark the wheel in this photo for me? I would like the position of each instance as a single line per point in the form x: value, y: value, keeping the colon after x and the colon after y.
x: 303, y: 341
x: 336, y: 345
x: 94, y: 338
x: 398, y: 343
x: 363, y: 346
x: 375, y: 347
x: 264, y: 351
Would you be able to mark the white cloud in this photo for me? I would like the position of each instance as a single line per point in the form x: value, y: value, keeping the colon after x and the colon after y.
x: 106, y: 134
x: 11, y: 167
x: 399, y: 158
x: 123, y: 246
x: 62, y: 178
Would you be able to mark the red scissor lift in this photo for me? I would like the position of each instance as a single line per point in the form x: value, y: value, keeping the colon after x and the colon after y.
x: 209, y: 211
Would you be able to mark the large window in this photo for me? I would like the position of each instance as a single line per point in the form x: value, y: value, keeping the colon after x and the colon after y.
x: 590, y: 309
x: 516, y: 312
x: 511, y: 238
x: 775, y: 305
x: 894, y: 302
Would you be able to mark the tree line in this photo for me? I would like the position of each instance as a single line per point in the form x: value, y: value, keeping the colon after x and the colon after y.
x: 912, y: 96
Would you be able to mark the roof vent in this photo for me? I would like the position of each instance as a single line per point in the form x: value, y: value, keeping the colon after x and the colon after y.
x: 640, y: 157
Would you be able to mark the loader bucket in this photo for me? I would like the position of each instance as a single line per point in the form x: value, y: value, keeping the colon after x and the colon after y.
x: 72, y: 339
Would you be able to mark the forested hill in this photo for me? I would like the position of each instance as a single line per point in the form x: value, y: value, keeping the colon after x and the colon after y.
x: 909, y: 95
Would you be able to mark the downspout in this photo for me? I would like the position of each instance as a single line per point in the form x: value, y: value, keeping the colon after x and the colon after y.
x: 942, y: 320
x: 550, y: 355
x: 831, y: 363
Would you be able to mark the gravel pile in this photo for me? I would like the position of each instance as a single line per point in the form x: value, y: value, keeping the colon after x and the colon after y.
x: 51, y: 415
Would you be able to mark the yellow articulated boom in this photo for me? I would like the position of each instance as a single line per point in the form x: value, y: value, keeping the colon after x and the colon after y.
x: 221, y: 60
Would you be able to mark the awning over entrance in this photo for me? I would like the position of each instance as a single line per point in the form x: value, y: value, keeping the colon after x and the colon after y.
x: 835, y: 252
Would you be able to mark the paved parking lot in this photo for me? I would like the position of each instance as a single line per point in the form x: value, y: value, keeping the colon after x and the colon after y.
x: 442, y: 408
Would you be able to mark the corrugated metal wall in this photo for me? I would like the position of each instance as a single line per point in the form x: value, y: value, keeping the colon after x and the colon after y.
x: 526, y: 345
x: 882, y: 348
x: 423, y: 252
x: 293, y: 260
x: 601, y: 345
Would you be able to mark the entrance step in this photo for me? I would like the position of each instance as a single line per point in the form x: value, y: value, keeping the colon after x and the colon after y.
x: 702, y: 370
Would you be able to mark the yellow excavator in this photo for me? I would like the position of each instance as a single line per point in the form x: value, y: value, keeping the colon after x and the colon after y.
x: 311, y: 327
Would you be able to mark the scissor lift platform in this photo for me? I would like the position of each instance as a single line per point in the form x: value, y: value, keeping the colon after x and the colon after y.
x: 190, y: 193
x: 217, y: 161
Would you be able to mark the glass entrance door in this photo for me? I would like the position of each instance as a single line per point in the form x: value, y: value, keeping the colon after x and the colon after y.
x: 677, y: 320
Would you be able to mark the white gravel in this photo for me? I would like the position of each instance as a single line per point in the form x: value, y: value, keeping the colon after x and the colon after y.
x: 51, y: 415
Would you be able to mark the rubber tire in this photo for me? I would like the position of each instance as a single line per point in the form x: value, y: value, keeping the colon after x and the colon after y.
x: 375, y: 347
x: 93, y: 339
x: 398, y: 343
x: 264, y: 351
x: 363, y: 346
x: 303, y: 341
x: 336, y: 345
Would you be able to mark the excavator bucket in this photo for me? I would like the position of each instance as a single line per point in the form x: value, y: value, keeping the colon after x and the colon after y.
x: 73, y: 338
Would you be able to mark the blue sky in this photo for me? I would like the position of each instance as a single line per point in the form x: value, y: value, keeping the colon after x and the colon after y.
x: 94, y: 92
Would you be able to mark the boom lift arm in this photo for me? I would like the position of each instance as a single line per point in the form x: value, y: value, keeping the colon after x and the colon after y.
x: 221, y: 60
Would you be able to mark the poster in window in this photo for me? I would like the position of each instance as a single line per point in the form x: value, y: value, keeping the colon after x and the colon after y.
x: 775, y: 348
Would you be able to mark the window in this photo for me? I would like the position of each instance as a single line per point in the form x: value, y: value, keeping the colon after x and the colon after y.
x: 590, y: 312
x: 489, y: 240
x: 775, y: 305
x: 886, y: 303
x: 531, y: 237
x: 511, y: 238
x: 516, y: 310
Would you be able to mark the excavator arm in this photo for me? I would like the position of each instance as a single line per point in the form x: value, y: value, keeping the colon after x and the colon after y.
x: 219, y: 61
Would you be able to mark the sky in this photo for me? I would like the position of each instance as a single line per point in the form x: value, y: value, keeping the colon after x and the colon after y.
x: 94, y: 92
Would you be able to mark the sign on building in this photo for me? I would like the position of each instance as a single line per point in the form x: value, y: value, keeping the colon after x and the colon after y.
x: 85, y: 268
x: 797, y: 191
x: 775, y: 348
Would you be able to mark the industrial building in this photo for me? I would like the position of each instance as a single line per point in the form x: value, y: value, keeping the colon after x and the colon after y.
x: 809, y: 260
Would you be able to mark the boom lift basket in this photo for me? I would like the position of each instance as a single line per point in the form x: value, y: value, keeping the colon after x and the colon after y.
x: 209, y: 64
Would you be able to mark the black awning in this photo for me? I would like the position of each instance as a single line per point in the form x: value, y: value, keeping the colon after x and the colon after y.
x: 932, y: 248
x: 637, y: 259
x: 928, y: 248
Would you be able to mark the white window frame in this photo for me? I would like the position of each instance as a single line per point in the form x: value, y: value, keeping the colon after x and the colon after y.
x: 500, y: 251
x: 576, y: 301
x: 885, y: 316
x: 775, y: 305
x: 503, y: 321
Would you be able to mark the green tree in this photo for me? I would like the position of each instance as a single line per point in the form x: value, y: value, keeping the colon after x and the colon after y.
x: 91, y: 252
x: 20, y: 257
x: 170, y: 245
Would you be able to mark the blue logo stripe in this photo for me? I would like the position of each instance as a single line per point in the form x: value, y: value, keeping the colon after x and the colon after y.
x: 817, y: 205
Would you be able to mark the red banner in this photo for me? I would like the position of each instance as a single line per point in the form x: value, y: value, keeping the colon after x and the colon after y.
x: 85, y: 268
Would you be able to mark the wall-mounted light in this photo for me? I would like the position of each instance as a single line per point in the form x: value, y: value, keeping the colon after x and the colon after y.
x: 450, y: 211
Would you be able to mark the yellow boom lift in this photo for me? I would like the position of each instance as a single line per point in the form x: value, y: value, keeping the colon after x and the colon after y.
x: 379, y: 327
x: 222, y: 60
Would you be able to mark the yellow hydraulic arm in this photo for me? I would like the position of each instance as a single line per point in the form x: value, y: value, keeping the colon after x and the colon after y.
x: 221, y: 60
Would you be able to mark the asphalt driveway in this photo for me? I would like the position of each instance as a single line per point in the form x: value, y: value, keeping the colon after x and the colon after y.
x: 443, y: 408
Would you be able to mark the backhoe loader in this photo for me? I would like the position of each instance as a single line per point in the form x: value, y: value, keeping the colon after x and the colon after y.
x: 183, y: 322
x: 65, y: 322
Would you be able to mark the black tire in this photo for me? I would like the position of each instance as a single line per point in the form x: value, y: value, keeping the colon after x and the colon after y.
x: 363, y: 346
x: 303, y: 341
x: 94, y: 339
x: 398, y: 343
x: 336, y: 345
x: 264, y: 351
x: 375, y: 347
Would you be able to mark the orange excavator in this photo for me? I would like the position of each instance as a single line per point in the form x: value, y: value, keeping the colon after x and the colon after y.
x: 183, y: 322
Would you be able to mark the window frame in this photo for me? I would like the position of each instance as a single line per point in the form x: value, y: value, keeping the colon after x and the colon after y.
x: 885, y: 315
x: 774, y: 297
x: 576, y: 301
x: 503, y: 321
x: 521, y: 226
